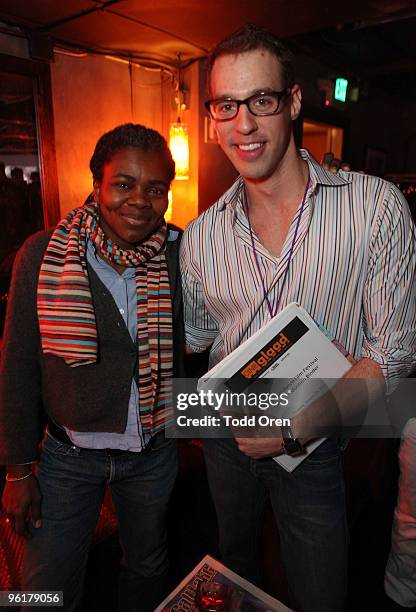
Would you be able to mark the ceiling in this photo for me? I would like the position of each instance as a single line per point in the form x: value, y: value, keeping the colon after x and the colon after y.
x: 161, y: 29
x: 383, y: 55
x: 157, y: 30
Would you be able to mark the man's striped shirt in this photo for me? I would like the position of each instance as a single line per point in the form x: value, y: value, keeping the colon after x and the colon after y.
x: 352, y: 268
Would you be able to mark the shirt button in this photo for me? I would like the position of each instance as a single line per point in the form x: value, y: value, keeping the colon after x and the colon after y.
x: 122, y: 310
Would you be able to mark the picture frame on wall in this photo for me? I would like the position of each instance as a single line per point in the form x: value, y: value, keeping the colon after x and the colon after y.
x: 210, y: 133
x: 375, y: 161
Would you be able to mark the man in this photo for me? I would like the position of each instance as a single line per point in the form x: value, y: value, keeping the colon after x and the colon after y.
x: 94, y: 335
x: 287, y: 230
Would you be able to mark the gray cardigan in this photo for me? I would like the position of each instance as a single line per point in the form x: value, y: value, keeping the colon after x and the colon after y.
x: 94, y: 397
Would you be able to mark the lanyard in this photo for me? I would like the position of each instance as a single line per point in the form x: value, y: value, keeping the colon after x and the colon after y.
x: 273, y: 312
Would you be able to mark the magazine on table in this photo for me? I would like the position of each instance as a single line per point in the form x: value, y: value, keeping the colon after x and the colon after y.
x: 290, y: 349
x: 239, y: 594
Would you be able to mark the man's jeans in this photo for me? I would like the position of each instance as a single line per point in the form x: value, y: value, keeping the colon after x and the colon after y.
x: 73, y: 482
x: 309, y: 507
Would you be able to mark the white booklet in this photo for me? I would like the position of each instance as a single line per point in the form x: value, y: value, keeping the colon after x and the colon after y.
x: 240, y: 595
x: 290, y: 347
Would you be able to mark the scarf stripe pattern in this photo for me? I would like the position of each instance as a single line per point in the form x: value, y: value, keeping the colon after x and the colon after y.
x: 66, y: 313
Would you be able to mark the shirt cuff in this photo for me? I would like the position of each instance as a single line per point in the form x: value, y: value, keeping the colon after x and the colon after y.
x: 392, y: 367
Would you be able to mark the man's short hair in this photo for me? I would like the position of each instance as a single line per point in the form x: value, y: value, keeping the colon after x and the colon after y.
x: 250, y: 38
x: 129, y: 135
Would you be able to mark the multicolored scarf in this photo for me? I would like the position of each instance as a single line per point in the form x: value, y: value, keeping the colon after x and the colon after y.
x: 66, y: 312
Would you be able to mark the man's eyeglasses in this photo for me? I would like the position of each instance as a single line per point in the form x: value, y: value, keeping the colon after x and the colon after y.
x: 260, y: 104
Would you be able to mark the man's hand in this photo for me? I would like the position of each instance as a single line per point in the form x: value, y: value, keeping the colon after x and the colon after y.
x: 258, y: 448
x: 21, y: 501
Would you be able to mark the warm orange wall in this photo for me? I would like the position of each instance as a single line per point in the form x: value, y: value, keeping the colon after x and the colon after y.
x: 91, y: 96
x: 185, y: 193
x: 216, y: 173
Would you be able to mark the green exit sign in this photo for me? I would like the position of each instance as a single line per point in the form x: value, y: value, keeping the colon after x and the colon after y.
x: 340, y: 92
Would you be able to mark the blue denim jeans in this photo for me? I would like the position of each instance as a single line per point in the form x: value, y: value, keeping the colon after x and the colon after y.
x: 309, y: 508
x: 73, y: 482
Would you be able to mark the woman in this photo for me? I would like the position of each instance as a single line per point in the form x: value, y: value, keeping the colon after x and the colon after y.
x: 94, y: 336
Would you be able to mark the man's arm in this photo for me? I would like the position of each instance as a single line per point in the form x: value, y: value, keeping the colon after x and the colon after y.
x: 200, y: 329
x: 389, y: 348
x: 345, y: 404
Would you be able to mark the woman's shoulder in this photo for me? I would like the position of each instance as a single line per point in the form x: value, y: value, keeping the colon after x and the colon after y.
x: 32, y: 251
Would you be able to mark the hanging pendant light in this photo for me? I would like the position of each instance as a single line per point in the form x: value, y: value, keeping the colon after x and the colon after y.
x: 179, y: 146
x: 178, y: 132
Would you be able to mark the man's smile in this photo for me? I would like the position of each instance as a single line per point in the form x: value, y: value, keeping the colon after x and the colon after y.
x: 250, y: 146
x: 249, y: 150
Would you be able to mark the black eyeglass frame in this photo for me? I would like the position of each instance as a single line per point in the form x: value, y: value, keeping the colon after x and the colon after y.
x: 280, y: 95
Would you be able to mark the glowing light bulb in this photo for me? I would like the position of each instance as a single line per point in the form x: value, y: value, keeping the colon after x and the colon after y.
x: 179, y: 146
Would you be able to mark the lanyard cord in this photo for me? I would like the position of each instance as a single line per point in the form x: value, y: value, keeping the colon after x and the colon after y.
x: 274, y: 312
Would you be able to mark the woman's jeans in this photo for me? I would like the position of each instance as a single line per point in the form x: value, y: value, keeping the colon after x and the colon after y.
x: 73, y: 482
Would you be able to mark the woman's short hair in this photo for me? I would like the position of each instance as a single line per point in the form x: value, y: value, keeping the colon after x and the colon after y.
x: 129, y: 135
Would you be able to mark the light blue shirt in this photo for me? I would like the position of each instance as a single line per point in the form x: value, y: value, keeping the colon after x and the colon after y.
x: 123, y: 289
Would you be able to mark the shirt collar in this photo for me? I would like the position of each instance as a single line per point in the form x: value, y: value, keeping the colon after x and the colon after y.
x: 317, y: 176
x: 101, y: 266
x: 172, y: 234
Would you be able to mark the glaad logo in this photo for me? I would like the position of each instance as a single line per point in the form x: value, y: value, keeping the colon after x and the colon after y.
x: 268, y: 354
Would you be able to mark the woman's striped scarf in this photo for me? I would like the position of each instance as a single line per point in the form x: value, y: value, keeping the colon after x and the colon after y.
x: 66, y: 312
